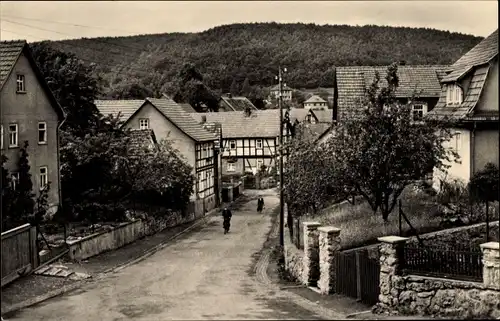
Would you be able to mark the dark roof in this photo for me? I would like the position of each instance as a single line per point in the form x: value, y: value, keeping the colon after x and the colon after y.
x: 173, y: 112
x: 10, y: 51
x: 126, y: 108
x: 313, y: 131
x: 315, y: 99
x: 235, y: 124
x: 238, y: 103
x: 323, y: 115
x: 353, y: 81
x: 169, y: 108
x: 481, y: 54
x: 284, y: 88
x: 141, y: 139
x: 298, y: 114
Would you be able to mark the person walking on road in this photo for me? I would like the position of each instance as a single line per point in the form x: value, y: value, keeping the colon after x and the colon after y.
x: 260, y: 204
x: 226, y: 214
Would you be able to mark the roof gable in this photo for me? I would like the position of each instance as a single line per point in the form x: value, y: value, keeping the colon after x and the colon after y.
x: 298, y: 114
x: 323, y: 115
x: 238, y: 103
x: 235, y: 124
x: 315, y: 99
x: 10, y: 51
x: 126, y: 108
x: 481, y: 54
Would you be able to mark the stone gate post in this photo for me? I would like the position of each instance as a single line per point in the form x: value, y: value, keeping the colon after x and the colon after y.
x: 311, y: 251
x: 491, y: 264
x: 329, y: 245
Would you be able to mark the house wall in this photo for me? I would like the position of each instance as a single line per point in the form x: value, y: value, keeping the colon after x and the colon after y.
x: 164, y: 129
x: 486, y: 148
x: 287, y: 94
x: 250, y: 164
x: 460, y: 170
x: 315, y: 105
x: 247, y: 154
x: 27, y: 110
x: 489, y: 96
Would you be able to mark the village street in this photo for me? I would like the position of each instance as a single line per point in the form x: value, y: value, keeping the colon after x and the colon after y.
x: 204, y: 275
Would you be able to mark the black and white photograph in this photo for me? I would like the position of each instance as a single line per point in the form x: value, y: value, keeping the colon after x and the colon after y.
x: 249, y: 160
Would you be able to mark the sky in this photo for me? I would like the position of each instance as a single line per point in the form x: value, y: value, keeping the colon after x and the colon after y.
x: 55, y: 20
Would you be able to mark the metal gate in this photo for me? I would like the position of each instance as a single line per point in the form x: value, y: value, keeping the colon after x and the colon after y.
x: 358, y: 276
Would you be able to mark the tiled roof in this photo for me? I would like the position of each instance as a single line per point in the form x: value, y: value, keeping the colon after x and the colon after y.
x: 466, y: 109
x: 323, y: 115
x: 238, y: 103
x: 187, y: 108
x: 284, y: 88
x: 169, y: 108
x: 235, y: 124
x: 126, y: 108
x: 313, y: 131
x: 482, y: 53
x: 140, y: 139
x: 9, y: 53
x: 352, y: 82
x: 315, y: 99
x: 298, y: 114
x: 172, y: 111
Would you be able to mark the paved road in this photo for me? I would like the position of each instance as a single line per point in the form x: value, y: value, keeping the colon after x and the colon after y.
x: 204, y: 275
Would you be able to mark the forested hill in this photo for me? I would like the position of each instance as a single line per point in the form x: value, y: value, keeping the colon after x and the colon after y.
x: 228, y: 54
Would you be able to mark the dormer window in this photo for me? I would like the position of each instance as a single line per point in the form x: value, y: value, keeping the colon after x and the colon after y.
x: 454, y: 95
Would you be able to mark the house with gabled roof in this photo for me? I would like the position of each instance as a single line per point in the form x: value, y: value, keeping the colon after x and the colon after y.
x: 169, y: 121
x: 29, y: 112
x: 315, y: 102
x: 419, y: 85
x: 249, y: 140
x: 235, y: 103
x: 286, y: 92
x: 469, y: 100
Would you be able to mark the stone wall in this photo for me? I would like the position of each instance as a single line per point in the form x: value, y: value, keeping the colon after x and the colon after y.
x: 293, y: 258
x: 418, y: 295
x: 129, y: 232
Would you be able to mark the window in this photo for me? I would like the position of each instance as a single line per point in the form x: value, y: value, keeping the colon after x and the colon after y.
x: 13, y: 135
x: 259, y: 164
x: 42, y: 133
x: 418, y: 111
x: 144, y: 123
x: 21, y: 88
x: 258, y: 143
x: 232, y: 144
x: 454, y: 95
x: 14, y: 180
x: 458, y: 142
x: 43, y: 177
x: 230, y: 167
x: 2, y: 138
x: 205, y: 152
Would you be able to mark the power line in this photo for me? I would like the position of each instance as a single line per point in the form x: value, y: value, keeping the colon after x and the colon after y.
x: 140, y: 50
x: 120, y: 70
x: 66, y: 23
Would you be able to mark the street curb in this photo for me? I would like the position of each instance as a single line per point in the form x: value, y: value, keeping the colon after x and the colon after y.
x: 354, y: 315
x: 77, y: 284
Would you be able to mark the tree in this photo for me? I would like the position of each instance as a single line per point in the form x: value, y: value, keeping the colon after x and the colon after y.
x: 7, y: 196
x: 189, y: 87
x: 24, y: 204
x: 73, y: 84
x: 310, y: 184
x: 246, y: 89
x: 484, y: 187
x: 235, y: 90
x: 381, y: 150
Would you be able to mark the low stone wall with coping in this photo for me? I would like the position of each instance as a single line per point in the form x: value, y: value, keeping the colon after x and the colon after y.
x: 420, y: 295
x: 129, y: 232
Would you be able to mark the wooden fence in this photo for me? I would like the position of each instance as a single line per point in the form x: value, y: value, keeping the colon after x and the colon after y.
x: 19, y: 252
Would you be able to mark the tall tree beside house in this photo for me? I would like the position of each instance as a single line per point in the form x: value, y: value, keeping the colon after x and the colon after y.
x: 246, y: 89
x: 7, y: 196
x: 382, y: 151
x: 188, y: 87
x: 24, y: 203
x: 235, y: 88
x: 73, y: 85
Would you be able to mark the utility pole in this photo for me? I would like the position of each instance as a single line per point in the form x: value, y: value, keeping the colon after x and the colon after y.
x: 282, y: 203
